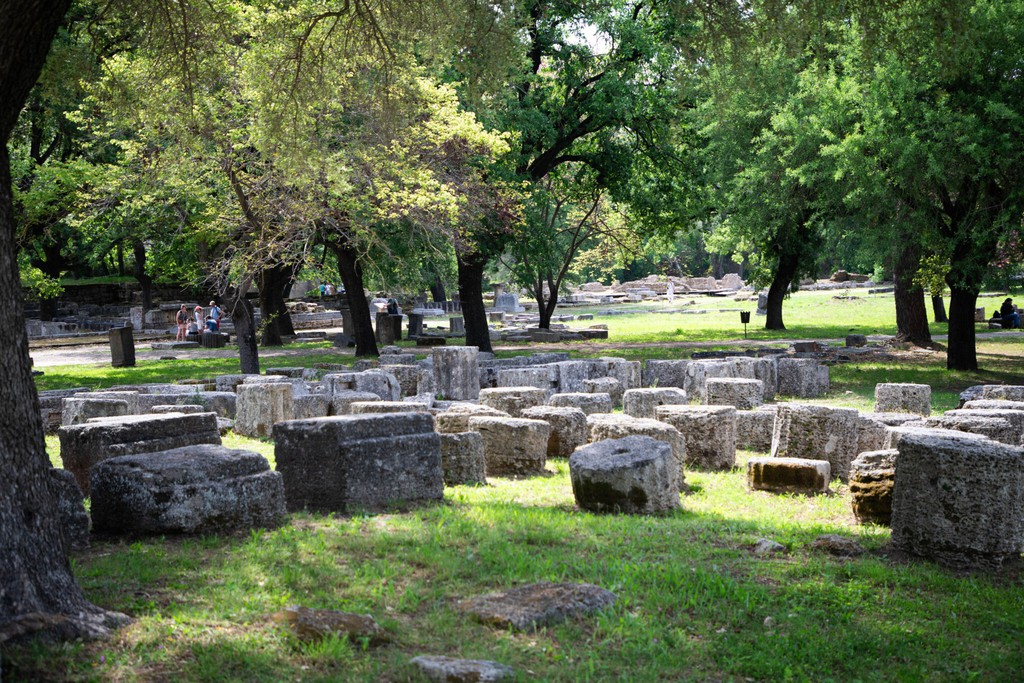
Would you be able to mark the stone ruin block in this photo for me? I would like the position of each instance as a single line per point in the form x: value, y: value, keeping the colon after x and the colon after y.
x: 201, y: 489
x: 903, y: 398
x: 133, y: 398
x: 802, y: 378
x: 604, y: 385
x: 632, y: 475
x: 743, y: 394
x: 180, y: 410
x: 381, y: 382
x: 958, y: 498
x: 396, y: 358
x: 331, y: 464
x: 610, y: 426
x: 229, y: 382
x: 71, y: 509
x: 765, y: 369
x: 709, y: 433
x: 261, y: 405
x: 1014, y: 417
x: 513, y: 400
x: 310, y: 406
x: 788, y: 475
x: 79, y: 410
x: 568, y: 428
x: 665, y: 373
x: 995, y: 428
x: 462, y: 459
x: 754, y: 428
x: 292, y: 372
x: 642, y: 403
x: 408, y: 377
x: 588, y: 403
x: 512, y: 446
x: 340, y: 402
x: 992, y: 404
x: 84, y: 445
x: 817, y: 433
x: 540, y: 376
x: 572, y: 373
x: 1001, y: 392
x: 871, y: 479
x: 874, y: 429
x: 51, y: 406
x: 456, y: 372
x: 627, y: 372
x: 387, y: 407
x: 455, y: 419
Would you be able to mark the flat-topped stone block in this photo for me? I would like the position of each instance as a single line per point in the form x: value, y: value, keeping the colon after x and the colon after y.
x: 540, y: 376
x: 871, y: 478
x: 1014, y: 417
x: 903, y: 398
x: 643, y: 402
x: 754, y: 428
x: 201, y: 489
x: 817, y: 433
x: 568, y: 428
x: 462, y: 459
x: 513, y: 400
x: 183, y: 409
x: 456, y: 372
x: 79, y: 410
x: 261, y: 405
x: 588, y: 403
x: 512, y: 446
x: 802, y: 378
x: 734, y: 391
x: 603, y: 426
x: 1003, y: 392
x: 874, y: 429
x: 996, y: 428
x: 51, y: 405
x: 229, y: 382
x: 958, y: 498
x: 605, y: 385
x: 455, y: 419
x: 531, y: 606
x: 634, y: 474
x: 340, y: 402
x: 309, y: 406
x: 330, y: 464
x: 82, y: 446
x: 371, y: 407
x: 379, y: 381
x: 788, y: 475
x: 709, y: 432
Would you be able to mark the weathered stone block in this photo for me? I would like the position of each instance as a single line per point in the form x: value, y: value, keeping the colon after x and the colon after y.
x: 199, y: 489
x: 874, y: 429
x: 71, y: 509
x: 541, y: 376
x: 457, y: 372
x: 817, y: 433
x: 332, y: 463
x: 568, y: 428
x: 588, y: 403
x: 643, y: 402
x: 903, y: 398
x: 802, y: 377
x: 734, y: 391
x: 462, y: 459
x: 1014, y: 417
x: 1002, y: 392
x: 709, y: 433
x: 604, y: 385
x: 512, y: 446
x: 958, y: 498
x: 513, y: 400
x: 610, y: 426
x: 383, y: 407
x: 871, y: 479
x: 341, y: 401
x: 261, y: 405
x: 309, y: 406
x: 635, y: 474
x: 754, y: 428
x: 995, y: 428
x: 79, y: 410
x: 83, y: 446
x: 379, y: 381
x: 788, y: 475
x: 665, y: 373
x: 455, y: 419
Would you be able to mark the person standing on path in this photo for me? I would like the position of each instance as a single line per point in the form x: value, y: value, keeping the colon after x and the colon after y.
x: 215, y: 314
x: 181, y: 317
x: 200, y: 318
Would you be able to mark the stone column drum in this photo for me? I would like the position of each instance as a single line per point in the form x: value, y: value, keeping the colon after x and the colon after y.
x: 635, y: 474
x: 457, y: 372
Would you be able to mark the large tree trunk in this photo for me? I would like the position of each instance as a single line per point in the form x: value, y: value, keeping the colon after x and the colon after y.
x: 351, y: 272
x: 276, y: 321
x: 437, y: 289
x: 545, y: 306
x: 961, y: 353
x: 139, y: 271
x: 784, y: 273
x: 38, y: 592
x: 243, y: 317
x: 471, y: 278
x: 939, y: 309
x: 911, y: 315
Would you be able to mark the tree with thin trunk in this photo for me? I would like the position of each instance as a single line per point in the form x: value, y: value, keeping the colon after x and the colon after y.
x: 38, y: 592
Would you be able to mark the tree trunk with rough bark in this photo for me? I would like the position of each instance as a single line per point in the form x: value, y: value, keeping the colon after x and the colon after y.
x: 939, y: 309
x: 38, y: 593
x: 243, y: 317
x: 784, y: 273
x: 471, y: 278
x: 351, y: 272
x: 911, y: 315
x: 545, y: 306
x: 437, y: 291
x: 139, y: 271
x: 961, y: 353
x: 276, y: 321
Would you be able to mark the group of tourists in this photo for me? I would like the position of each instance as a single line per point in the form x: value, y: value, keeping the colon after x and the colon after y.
x: 198, y: 321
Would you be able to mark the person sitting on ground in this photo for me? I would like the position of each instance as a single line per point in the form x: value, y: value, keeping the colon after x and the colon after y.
x: 211, y: 324
x: 182, y: 319
x: 1009, y: 312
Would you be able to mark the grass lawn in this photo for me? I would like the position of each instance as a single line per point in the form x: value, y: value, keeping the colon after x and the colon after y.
x: 694, y: 601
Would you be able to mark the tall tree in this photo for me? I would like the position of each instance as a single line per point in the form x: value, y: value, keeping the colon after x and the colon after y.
x: 38, y: 592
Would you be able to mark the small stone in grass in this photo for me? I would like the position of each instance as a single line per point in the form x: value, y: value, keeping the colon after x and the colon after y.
x: 316, y: 624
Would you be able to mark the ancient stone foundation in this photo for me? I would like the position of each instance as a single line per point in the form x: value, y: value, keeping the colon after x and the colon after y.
x: 635, y: 474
